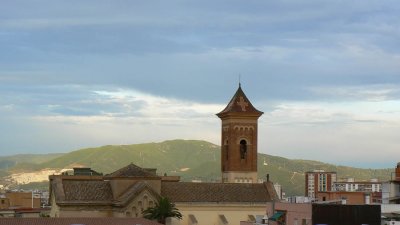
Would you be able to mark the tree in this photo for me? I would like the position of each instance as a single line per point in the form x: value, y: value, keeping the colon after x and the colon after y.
x: 163, y: 209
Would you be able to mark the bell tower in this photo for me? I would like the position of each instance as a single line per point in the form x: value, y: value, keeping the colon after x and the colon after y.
x: 239, y: 140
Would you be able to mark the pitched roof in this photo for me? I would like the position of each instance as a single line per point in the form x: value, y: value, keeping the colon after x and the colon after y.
x: 218, y: 192
x: 134, y: 191
x: 69, y: 221
x: 87, y: 190
x: 132, y: 170
x: 240, y: 104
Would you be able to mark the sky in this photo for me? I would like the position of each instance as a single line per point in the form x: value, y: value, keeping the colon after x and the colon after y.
x: 77, y: 74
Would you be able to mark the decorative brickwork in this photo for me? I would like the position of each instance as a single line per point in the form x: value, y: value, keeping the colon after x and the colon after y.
x: 239, y: 140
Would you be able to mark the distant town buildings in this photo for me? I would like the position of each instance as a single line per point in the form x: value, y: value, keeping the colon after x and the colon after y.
x: 324, y: 186
x: 13, y: 200
x: 20, y: 204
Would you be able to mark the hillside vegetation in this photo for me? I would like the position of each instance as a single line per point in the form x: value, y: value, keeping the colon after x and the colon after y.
x: 7, y: 162
x: 196, y: 160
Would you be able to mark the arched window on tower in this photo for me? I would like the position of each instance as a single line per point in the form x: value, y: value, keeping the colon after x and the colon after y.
x: 243, y: 149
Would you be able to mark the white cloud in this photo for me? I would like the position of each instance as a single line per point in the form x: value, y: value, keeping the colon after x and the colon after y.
x: 158, y: 119
x: 335, y: 132
x: 156, y: 107
x: 375, y: 93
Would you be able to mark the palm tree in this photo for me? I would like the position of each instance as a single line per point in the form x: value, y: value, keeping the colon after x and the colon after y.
x: 163, y: 209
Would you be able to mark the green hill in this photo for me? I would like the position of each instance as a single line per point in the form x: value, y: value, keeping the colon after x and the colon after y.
x: 27, y: 161
x: 193, y: 159
x: 171, y: 157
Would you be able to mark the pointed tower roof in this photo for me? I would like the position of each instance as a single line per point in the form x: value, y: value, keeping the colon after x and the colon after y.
x: 239, y: 106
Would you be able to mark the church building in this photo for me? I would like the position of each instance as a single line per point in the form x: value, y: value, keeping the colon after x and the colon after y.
x: 130, y: 190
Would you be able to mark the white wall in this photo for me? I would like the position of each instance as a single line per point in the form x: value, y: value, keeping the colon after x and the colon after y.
x: 208, y: 214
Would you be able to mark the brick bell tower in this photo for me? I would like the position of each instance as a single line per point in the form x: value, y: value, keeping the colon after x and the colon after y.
x: 239, y: 140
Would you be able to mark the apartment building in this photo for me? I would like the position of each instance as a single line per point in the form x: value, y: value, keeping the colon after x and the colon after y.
x: 364, y: 186
x: 318, y: 181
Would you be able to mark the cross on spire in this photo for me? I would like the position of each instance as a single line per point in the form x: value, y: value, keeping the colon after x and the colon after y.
x: 242, y: 103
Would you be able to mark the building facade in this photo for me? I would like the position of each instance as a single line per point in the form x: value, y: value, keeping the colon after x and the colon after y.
x: 311, y: 213
x: 130, y: 190
x: 354, y: 192
x: 391, y: 189
x: 289, y: 213
x: 318, y: 181
x: 349, y: 197
x: 350, y: 185
x: 77, y: 221
x: 239, y: 140
x: 15, y: 200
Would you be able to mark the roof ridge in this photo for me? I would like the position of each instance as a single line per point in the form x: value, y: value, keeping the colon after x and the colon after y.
x: 131, y: 170
x: 134, y: 189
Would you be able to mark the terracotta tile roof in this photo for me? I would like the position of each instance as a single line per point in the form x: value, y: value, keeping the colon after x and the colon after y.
x: 240, y: 104
x: 70, y: 221
x: 87, y: 190
x: 131, y: 170
x: 217, y: 192
x: 133, y: 191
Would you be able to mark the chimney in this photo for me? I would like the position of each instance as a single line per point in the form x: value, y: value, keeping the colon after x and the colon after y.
x: 398, y: 172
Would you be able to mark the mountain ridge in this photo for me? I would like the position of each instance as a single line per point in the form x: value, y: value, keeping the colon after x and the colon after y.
x: 194, y: 160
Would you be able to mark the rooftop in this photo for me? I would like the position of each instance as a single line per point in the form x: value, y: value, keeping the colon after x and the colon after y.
x: 76, y: 221
x: 217, y: 192
x: 240, y: 104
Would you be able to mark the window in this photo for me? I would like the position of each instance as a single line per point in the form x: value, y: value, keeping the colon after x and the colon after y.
x: 192, y: 219
x: 140, y: 205
x: 223, y: 219
x: 2, y: 201
x: 146, y: 201
x: 134, y: 211
x: 243, y: 149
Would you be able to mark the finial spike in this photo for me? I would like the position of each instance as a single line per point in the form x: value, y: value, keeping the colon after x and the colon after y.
x: 240, y: 79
